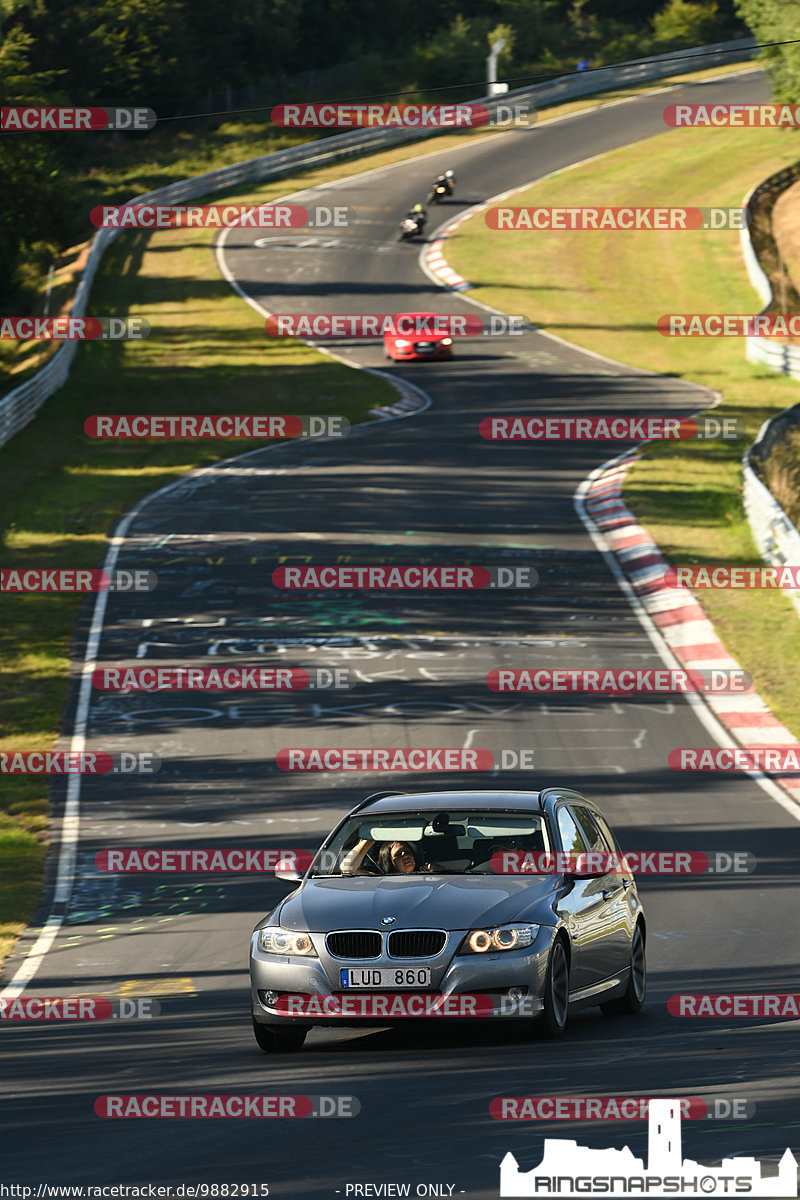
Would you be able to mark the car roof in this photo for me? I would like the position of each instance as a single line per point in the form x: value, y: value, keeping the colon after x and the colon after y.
x: 461, y: 801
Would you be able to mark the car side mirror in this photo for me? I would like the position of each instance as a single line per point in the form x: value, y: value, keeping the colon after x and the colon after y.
x: 591, y: 865
x: 287, y: 875
x: 595, y: 873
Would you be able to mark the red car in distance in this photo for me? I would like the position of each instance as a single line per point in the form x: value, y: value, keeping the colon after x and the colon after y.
x: 420, y: 338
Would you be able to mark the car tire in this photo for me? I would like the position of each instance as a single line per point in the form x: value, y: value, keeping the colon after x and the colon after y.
x: 279, y: 1039
x: 633, y: 999
x: 553, y: 1020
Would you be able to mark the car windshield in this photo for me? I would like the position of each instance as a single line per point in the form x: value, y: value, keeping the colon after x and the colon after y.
x: 428, y: 842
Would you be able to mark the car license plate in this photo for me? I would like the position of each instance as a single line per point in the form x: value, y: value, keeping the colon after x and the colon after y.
x: 394, y: 978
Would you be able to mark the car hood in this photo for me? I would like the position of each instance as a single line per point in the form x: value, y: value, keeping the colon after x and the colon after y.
x: 454, y: 902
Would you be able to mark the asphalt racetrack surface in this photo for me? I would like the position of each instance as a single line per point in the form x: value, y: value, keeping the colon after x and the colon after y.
x: 425, y: 489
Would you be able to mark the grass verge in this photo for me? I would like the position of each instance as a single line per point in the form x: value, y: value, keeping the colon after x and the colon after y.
x: 606, y: 290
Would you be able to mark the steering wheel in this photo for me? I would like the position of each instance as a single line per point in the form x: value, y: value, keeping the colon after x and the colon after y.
x: 497, y: 848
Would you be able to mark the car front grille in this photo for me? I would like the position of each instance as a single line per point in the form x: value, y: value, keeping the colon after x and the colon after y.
x: 354, y: 943
x: 416, y: 943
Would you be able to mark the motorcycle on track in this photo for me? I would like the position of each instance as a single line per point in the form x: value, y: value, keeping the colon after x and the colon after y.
x: 442, y: 186
x: 413, y: 223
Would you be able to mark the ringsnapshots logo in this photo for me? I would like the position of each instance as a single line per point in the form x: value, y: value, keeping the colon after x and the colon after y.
x: 568, y: 1171
x: 74, y: 329
x: 401, y: 116
x: 628, y: 219
x: 185, y: 428
x: 217, y: 216
x: 610, y: 428
x: 72, y: 119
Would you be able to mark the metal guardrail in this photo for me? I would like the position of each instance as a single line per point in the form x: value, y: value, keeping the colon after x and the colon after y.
x: 20, y: 406
x: 777, y: 538
x: 779, y: 356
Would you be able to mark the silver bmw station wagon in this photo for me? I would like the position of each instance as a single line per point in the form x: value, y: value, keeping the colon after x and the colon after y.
x: 489, y: 904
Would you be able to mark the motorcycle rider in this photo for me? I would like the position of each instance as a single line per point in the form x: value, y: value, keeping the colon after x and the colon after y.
x: 418, y: 214
x: 447, y: 179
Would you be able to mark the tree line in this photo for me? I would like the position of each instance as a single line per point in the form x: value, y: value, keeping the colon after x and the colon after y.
x: 170, y: 55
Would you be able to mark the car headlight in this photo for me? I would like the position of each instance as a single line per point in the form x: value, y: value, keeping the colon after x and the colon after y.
x: 504, y: 937
x: 447, y: 341
x: 401, y: 342
x: 284, y: 941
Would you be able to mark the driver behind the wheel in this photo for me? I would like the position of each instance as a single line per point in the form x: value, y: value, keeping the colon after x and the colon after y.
x: 399, y: 858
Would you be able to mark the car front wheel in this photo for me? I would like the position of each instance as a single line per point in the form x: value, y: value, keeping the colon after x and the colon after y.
x: 278, y: 1039
x: 556, y: 992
